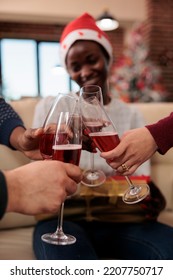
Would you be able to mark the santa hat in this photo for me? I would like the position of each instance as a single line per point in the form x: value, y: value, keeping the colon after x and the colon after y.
x: 83, y: 28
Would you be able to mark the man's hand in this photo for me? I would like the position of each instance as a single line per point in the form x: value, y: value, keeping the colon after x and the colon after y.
x: 27, y: 141
x: 41, y: 186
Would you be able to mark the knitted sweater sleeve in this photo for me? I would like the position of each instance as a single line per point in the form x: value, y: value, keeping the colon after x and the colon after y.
x: 162, y: 132
x: 3, y: 195
x: 9, y: 120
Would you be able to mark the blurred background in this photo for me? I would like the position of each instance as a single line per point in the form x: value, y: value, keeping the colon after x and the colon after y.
x: 143, y: 47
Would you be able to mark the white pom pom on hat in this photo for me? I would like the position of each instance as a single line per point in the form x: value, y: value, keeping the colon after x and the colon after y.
x: 83, y: 28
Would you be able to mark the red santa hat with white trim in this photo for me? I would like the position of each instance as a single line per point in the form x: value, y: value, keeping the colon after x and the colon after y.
x: 83, y: 28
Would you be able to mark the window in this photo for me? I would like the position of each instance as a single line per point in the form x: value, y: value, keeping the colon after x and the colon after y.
x: 19, y: 68
x: 28, y: 69
x: 51, y: 81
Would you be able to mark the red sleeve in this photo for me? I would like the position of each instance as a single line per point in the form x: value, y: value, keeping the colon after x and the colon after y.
x: 162, y: 132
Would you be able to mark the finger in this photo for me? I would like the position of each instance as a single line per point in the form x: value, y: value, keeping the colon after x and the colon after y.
x: 71, y: 187
x: 115, y: 154
x: 74, y: 172
x: 33, y: 133
x: 33, y: 154
x: 37, y: 132
x: 116, y: 162
x: 127, y: 171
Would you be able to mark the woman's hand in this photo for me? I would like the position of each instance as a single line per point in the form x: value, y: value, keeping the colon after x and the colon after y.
x: 136, y: 146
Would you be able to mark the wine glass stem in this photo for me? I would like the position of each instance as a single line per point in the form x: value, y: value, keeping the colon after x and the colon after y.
x: 133, y: 189
x: 60, y: 219
x: 129, y: 181
x: 92, y: 161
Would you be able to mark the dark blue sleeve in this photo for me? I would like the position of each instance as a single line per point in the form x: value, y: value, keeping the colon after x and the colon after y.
x: 9, y: 120
x: 3, y: 195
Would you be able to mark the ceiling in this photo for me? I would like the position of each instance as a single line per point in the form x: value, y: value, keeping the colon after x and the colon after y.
x: 56, y: 11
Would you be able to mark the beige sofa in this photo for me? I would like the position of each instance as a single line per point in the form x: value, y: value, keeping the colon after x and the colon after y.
x: 16, y: 229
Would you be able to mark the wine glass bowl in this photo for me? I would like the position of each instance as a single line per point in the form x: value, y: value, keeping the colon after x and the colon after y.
x: 107, y: 139
x: 46, y: 142
x: 62, y: 141
x: 92, y: 177
x: 67, y: 141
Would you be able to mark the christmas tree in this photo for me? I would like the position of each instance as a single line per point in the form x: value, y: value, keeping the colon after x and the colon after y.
x: 134, y: 77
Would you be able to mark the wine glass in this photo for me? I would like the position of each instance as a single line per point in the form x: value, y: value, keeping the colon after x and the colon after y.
x: 62, y: 140
x: 92, y: 177
x: 107, y: 139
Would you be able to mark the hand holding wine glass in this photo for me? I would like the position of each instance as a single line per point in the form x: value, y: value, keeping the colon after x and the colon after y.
x: 107, y: 139
x: 62, y: 141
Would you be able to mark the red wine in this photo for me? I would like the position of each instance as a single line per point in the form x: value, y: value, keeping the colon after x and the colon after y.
x: 105, y: 141
x: 67, y: 153
x: 45, y: 145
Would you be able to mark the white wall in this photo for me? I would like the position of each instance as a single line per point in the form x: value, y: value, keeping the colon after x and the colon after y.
x: 64, y: 10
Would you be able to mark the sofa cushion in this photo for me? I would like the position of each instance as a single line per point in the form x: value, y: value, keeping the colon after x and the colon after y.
x: 25, y: 107
x: 162, y: 166
x: 16, y: 220
x: 16, y: 244
x: 162, y: 176
x: 166, y: 217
